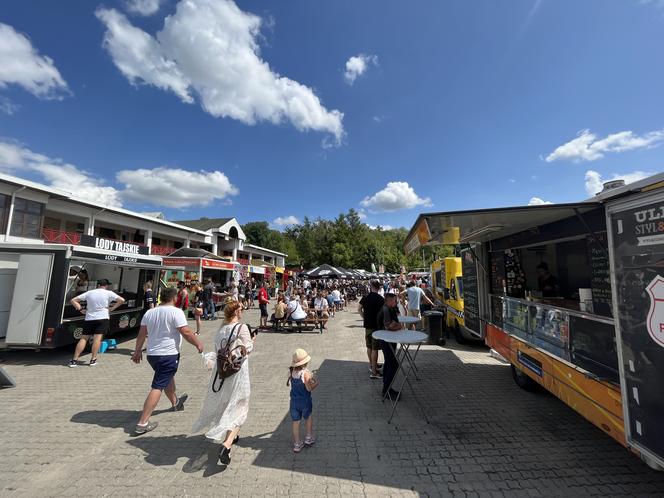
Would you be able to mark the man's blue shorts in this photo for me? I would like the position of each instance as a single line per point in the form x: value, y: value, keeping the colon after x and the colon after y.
x: 164, y: 368
x: 300, y: 409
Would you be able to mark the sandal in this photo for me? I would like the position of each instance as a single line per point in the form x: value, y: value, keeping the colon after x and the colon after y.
x: 309, y: 440
x: 297, y: 447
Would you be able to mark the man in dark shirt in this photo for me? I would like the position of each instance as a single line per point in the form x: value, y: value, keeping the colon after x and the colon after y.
x: 148, y: 296
x: 388, y: 319
x: 370, y: 306
x: 548, y: 284
x: 209, y: 310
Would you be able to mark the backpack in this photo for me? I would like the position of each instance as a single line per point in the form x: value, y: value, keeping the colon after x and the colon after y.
x: 228, y: 363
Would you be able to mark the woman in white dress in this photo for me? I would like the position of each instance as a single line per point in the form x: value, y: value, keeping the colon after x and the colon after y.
x: 224, y: 412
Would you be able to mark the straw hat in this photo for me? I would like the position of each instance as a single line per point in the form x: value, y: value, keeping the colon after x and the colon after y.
x: 300, y: 357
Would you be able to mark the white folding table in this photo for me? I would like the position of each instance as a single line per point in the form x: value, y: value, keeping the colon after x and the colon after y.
x: 404, y: 339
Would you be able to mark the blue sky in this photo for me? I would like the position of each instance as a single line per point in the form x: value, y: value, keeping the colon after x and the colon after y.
x: 272, y: 110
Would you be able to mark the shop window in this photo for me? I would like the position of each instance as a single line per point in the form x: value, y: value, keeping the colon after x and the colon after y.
x: 156, y: 241
x: 4, y: 209
x: 107, y: 233
x: 74, y: 226
x: 27, y: 218
x: 177, y: 245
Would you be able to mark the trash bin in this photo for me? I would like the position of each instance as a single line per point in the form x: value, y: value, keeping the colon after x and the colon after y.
x: 434, y: 324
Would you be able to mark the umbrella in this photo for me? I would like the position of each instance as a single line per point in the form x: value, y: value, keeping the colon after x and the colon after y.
x: 324, y: 271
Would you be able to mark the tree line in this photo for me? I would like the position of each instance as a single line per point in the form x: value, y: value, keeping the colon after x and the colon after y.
x: 344, y: 241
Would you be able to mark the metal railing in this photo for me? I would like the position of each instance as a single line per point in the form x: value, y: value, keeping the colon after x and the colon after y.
x: 53, y: 236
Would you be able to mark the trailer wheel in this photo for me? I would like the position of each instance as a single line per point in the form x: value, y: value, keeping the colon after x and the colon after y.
x: 523, y: 381
x: 460, y: 339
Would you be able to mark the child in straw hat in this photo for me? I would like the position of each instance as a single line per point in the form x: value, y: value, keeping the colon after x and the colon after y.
x: 301, y: 382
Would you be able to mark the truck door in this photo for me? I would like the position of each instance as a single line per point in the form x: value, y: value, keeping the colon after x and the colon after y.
x: 26, y: 318
x: 636, y: 244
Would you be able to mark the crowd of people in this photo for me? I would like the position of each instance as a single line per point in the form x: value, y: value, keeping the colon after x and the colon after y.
x: 164, y: 325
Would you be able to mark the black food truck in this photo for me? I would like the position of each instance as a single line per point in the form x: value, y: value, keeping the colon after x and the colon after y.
x: 37, y: 282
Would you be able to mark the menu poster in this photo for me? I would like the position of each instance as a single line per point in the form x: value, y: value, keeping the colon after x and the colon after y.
x: 600, y: 275
x: 638, y: 262
x: 471, y: 308
x: 497, y: 262
x: 516, y: 278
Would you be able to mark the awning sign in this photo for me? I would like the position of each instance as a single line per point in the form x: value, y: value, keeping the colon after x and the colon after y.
x: 258, y: 270
x: 186, y: 262
x: 222, y: 265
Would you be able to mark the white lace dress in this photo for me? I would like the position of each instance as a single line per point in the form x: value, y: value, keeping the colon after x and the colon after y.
x: 227, y: 409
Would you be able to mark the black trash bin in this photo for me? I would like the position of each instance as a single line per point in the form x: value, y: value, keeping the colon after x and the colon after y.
x: 434, y: 320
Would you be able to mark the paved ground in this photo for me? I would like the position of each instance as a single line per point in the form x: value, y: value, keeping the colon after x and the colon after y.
x: 66, y: 431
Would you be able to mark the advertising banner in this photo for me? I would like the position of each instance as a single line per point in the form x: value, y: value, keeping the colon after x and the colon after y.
x: 114, y: 245
x: 638, y: 259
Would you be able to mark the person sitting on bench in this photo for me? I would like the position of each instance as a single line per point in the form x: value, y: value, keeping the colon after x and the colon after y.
x: 295, y: 312
x: 279, y: 311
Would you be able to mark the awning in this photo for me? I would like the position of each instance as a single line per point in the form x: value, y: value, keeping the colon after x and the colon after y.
x: 483, y: 225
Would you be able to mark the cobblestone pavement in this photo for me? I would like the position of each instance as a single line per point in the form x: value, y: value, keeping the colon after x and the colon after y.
x: 66, y: 432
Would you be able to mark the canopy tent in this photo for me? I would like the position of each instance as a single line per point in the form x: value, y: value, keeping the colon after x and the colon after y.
x: 324, y: 271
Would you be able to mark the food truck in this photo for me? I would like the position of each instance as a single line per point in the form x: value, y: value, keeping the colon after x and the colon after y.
x: 447, y: 285
x: 572, y: 295
x: 37, y: 282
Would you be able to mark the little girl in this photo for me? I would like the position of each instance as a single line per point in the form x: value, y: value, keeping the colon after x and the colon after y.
x: 301, y: 382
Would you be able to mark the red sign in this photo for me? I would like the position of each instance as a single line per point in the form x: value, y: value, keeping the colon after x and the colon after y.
x: 181, y: 262
x: 224, y: 265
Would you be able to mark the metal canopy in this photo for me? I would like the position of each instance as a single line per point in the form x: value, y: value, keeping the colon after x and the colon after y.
x: 483, y: 225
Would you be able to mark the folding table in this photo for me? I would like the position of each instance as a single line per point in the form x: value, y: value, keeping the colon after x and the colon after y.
x: 404, y: 339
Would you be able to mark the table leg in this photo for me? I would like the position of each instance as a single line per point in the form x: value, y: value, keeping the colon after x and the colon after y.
x: 403, y: 383
x: 411, y: 360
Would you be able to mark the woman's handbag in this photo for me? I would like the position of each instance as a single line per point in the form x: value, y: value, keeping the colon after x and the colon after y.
x: 229, y: 360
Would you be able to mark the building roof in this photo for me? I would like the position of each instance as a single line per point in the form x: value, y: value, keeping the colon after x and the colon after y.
x: 205, y: 223
x: 69, y: 196
x: 264, y: 249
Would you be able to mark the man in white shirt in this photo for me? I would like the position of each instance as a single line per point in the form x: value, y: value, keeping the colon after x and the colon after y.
x: 295, y: 311
x: 415, y: 296
x: 164, y: 327
x: 321, y: 305
x: 98, y: 303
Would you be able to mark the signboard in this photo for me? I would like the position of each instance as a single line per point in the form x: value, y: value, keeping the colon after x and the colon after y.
x: 421, y: 236
x: 113, y: 258
x: 600, y: 276
x: 497, y: 270
x: 186, y: 262
x: 471, y: 304
x: 114, y: 245
x: 259, y: 270
x: 638, y: 266
x: 222, y: 265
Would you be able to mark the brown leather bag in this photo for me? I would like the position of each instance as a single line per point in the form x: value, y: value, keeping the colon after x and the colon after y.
x: 229, y: 359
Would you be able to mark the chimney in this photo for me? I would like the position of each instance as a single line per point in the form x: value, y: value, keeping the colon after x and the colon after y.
x: 613, y: 184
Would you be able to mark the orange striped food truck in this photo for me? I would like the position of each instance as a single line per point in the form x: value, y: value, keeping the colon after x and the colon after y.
x: 572, y: 295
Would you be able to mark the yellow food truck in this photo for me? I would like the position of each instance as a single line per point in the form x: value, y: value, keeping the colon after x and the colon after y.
x: 447, y: 286
x: 572, y: 295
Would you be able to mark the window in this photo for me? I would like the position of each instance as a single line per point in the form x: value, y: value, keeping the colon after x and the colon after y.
x: 4, y: 208
x: 27, y: 218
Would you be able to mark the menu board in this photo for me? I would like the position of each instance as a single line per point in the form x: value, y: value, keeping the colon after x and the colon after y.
x: 600, y: 275
x: 497, y: 269
x: 638, y: 261
x: 471, y: 306
x: 516, y: 278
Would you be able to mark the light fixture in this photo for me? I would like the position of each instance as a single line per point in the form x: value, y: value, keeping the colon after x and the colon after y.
x: 476, y: 235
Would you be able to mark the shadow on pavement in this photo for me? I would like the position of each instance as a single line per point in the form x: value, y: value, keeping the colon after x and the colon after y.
x: 114, y: 419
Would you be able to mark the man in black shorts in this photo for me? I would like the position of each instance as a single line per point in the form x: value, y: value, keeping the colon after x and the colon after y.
x: 98, y: 304
x: 263, y: 301
x: 370, y: 306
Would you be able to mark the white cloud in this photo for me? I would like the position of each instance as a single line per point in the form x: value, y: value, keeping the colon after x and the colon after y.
x: 536, y: 201
x: 15, y: 158
x: 144, y: 7
x: 362, y: 214
x: 21, y: 64
x: 587, y: 147
x: 7, y: 106
x: 286, y: 220
x: 208, y: 52
x: 595, y: 182
x: 394, y: 197
x: 357, y: 65
x: 174, y: 187
x: 170, y: 187
x: 381, y: 227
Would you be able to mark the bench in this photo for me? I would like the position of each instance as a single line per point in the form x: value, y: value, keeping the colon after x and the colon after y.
x: 308, y: 324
